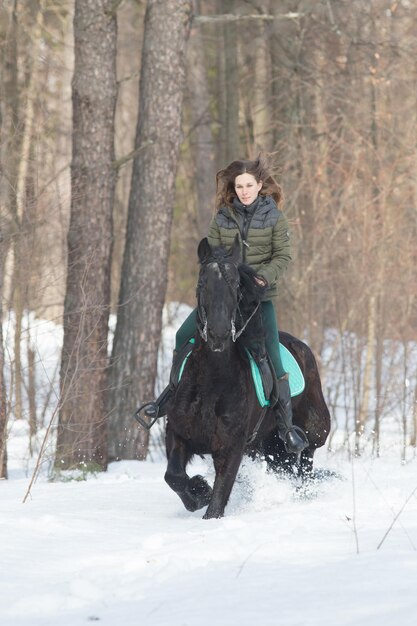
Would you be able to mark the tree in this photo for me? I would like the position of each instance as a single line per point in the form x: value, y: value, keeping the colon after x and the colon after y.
x: 228, y: 89
x: 5, y: 231
x: 202, y: 136
x: 145, y: 264
x: 3, y: 399
x: 82, y: 418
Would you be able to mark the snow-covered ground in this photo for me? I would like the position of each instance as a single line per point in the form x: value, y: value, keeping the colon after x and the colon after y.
x: 120, y: 549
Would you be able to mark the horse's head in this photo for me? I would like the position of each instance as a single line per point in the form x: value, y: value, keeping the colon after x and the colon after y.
x: 218, y: 293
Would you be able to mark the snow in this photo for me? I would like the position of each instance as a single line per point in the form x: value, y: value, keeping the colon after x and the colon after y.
x: 119, y: 548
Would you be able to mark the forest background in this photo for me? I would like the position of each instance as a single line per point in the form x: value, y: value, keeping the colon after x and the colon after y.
x: 115, y: 116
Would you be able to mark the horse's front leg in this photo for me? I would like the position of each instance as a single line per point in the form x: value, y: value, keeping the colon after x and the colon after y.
x: 226, y: 464
x: 194, y: 492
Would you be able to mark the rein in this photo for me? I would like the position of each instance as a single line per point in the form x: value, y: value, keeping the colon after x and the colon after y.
x: 236, y: 335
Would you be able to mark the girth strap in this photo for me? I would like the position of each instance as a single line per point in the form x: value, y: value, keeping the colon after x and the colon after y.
x: 258, y: 425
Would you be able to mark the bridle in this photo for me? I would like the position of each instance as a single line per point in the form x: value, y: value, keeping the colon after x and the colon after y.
x: 202, y: 323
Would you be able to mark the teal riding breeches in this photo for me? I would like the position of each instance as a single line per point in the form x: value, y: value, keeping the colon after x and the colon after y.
x: 189, y: 326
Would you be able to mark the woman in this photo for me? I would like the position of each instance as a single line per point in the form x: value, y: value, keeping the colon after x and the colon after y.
x: 247, y: 199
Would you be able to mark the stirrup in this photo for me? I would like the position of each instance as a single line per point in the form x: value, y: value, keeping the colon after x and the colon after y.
x: 138, y: 417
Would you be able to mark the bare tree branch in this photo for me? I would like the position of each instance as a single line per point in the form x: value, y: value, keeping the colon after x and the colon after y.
x: 229, y: 17
x: 128, y: 157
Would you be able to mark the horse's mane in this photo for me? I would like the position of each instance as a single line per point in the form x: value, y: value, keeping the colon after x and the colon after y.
x: 251, y: 292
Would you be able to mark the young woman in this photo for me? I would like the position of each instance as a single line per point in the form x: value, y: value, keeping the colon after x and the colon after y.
x: 247, y: 205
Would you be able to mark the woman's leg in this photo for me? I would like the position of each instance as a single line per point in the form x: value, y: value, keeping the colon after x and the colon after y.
x: 272, y: 337
x: 294, y: 438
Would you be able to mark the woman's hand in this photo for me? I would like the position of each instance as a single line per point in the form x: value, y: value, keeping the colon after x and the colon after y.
x: 261, y: 281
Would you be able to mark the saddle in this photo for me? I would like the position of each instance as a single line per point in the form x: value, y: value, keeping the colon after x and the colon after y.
x: 263, y: 374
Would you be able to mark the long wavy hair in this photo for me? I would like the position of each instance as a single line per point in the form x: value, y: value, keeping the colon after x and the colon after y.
x: 259, y: 168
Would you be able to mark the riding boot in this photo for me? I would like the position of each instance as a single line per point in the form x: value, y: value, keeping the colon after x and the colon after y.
x: 294, y: 438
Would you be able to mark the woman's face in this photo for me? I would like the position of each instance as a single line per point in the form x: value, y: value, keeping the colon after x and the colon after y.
x: 247, y: 188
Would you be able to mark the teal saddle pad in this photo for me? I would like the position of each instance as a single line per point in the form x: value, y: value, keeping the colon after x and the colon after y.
x: 290, y: 365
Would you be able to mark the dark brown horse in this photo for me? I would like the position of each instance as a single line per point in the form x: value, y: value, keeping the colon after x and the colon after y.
x: 215, y: 410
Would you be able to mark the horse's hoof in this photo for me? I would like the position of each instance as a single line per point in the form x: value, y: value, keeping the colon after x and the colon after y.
x: 200, y: 489
x: 197, y: 494
x: 213, y: 515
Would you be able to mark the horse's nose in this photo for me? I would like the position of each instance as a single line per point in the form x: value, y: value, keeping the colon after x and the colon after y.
x: 218, y: 340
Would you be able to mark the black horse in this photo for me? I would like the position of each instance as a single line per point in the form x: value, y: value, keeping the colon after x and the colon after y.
x: 215, y: 409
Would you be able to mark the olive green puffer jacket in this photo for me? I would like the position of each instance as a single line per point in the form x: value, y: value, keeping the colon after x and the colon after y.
x: 263, y: 233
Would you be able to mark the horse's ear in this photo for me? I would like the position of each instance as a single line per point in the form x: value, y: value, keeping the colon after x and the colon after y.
x: 235, y: 250
x: 204, y: 250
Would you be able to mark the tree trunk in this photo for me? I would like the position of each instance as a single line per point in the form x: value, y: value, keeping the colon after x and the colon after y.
x: 31, y: 391
x: 8, y: 168
x: 145, y: 263
x: 379, y: 355
x: 228, y: 89
x: 3, y: 399
x: 4, y: 228
x: 261, y: 108
x: 367, y: 382
x: 82, y: 418
x: 201, y: 138
x: 21, y: 261
x: 413, y: 438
